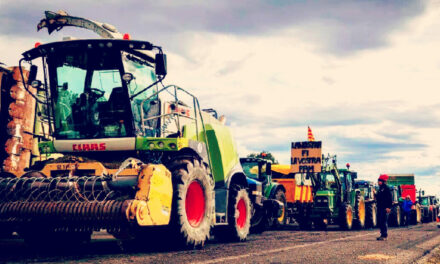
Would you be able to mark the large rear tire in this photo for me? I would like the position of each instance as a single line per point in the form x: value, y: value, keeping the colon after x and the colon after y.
x: 280, y: 221
x: 360, y: 213
x: 395, y: 216
x: 418, y: 214
x: 193, y: 202
x: 239, y: 216
x: 371, y: 216
x: 346, y: 217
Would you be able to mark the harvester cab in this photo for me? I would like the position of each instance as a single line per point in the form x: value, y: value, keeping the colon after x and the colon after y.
x: 137, y: 154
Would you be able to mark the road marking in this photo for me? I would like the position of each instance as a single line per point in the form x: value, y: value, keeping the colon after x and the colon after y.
x: 376, y: 257
x: 277, y: 250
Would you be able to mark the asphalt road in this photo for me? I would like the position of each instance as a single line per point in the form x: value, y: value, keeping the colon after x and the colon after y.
x: 290, y: 245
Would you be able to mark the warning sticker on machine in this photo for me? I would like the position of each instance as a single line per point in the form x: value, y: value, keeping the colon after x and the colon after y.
x: 306, y: 157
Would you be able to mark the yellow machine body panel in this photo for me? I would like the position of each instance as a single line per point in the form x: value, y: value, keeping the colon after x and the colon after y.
x: 152, y: 204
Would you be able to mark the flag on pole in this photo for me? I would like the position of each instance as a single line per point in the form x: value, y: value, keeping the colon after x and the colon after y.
x: 310, y: 135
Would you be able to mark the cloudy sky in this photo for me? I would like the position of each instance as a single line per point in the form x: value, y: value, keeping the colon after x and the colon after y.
x: 364, y: 75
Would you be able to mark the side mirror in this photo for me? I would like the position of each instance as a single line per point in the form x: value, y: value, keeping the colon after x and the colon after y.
x: 161, y: 64
x: 354, y: 175
x: 32, y: 74
x: 423, y: 192
x: 269, y: 168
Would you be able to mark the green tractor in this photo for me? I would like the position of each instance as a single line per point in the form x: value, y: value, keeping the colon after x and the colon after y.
x: 429, y: 207
x: 268, y: 197
x: 336, y: 200
x: 367, y: 190
x: 140, y: 160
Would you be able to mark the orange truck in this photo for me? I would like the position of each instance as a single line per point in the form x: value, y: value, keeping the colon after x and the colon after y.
x: 298, y: 192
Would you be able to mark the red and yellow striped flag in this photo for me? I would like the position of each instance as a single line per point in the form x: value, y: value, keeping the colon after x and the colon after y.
x: 310, y: 135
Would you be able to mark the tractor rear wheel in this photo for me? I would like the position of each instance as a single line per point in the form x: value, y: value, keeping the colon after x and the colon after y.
x: 371, y: 215
x: 395, y: 216
x: 193, y: 202
x: 239, y: 216
x: 418, y: 214
x: 346, y: 217
x: 360, y: 212
x: 280, y: 221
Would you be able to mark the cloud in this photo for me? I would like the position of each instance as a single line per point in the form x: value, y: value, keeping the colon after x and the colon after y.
x: 341, y: 27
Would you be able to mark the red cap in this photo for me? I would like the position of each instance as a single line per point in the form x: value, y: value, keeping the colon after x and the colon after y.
x: 383, y: 177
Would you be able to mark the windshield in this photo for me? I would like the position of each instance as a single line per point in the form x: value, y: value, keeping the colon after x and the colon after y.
x: 425, y: 201
x: 143, y: 76
x: 89, y: 98
x: 250, y: 169
x: 328, y: 180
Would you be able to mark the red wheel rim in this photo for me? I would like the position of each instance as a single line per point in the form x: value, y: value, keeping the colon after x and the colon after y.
x: 242, y: 213
x: 195, y: 204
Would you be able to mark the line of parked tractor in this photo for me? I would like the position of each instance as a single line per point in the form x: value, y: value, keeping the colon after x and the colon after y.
x: 332, y: 196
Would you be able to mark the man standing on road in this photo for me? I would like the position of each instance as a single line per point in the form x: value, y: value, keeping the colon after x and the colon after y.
x: 384, y: 204
x: 407, y: 203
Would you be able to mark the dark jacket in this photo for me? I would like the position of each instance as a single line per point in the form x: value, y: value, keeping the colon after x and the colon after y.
x: 384, y: 197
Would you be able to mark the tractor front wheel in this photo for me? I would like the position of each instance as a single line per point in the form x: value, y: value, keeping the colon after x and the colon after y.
x: 193, y: 202
x: 239, y: 216
x: 346, y: 217
x: 280, y: 221
x: 371, y: 215
x: 360, y: 212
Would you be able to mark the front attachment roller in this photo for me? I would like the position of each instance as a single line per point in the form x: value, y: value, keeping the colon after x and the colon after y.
x: 36, y: 207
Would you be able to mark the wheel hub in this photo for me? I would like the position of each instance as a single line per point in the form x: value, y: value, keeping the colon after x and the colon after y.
x: 195, y: 204
x: 349, y: 217
x: 242, y: 213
